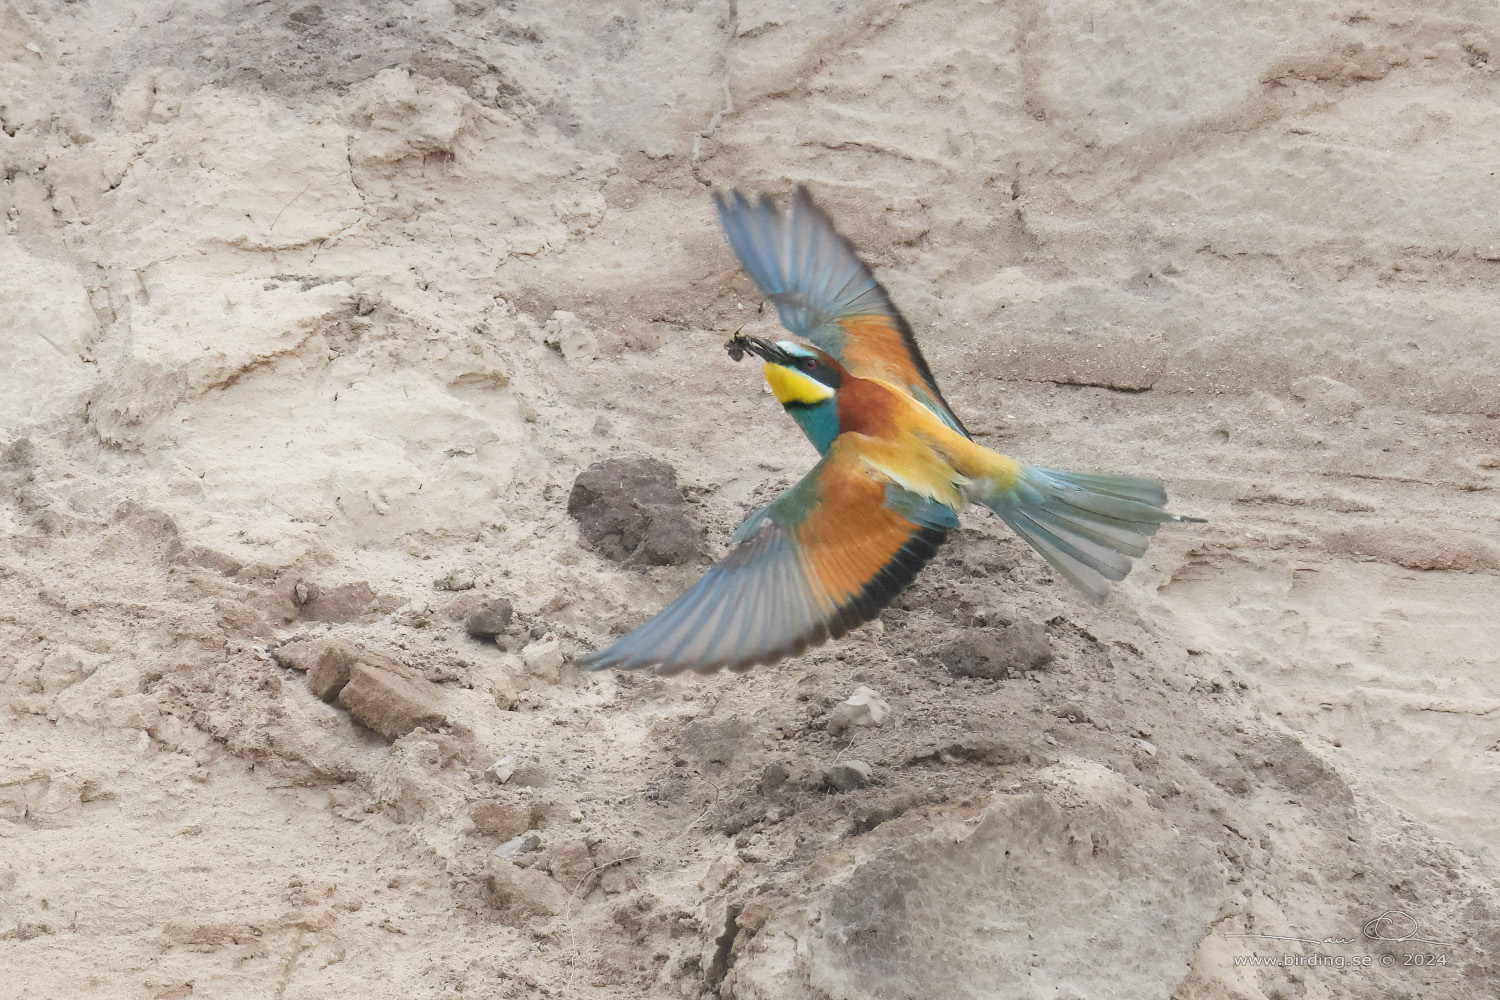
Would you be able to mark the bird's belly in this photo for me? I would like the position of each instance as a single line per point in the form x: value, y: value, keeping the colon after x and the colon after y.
x: 919, y: 469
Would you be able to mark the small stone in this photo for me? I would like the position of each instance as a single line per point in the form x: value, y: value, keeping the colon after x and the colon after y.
x: 346, y: 603
x: 531, y: 776
x: 721, y: 871
x: 299, y: 654
x: 502, y: 769
x: 1328, y: 397
x: 570, y: 862
x: 328, y: 675
x: 523, y: 844
x: 455, y: 579
x: 864, y: 707
x: 521, y: 891
x: 500, y: 817
x: 773, y: 778
x: 391, y: 703
x: 571, y: 336
x: 847, y: 775
x: 325, y: 661
x: 490, y: 619
x: 1147, y: 746
x: 543, y: 657
x: 1007, y: 652
x: 632, y: 511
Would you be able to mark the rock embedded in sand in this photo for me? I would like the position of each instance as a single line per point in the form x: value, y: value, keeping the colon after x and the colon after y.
x: 456, y: 579
x: 523, y: 843
x: 522, y: 892
x: 346, y: 603
x: 391, y: 703
x: 325, y: 661
x: 490, y: 619
x: 864, y: 707
x: 300, y: 654
x: 847, y: 775
x: 571, y: 336
x: 502, y: 769
x: 328, y: 674
x: 503, y: 818
x: 994, y: 655
x: 631, y: 511
x: 544, y: 658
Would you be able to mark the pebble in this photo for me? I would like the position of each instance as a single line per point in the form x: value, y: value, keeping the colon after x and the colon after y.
x: 389, y: 702
x: 522, y: 892
x: 528, y: 841
x: 632, y: 511
x: 847, y: 775
x: 503, y: 768
x: 864, y: 707
x: 544, y: 657
x: 490, y: 619
x: 456, y: 579
x: 1006, y: 652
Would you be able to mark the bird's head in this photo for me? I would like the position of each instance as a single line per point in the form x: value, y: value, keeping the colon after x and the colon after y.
x: 799, y: 375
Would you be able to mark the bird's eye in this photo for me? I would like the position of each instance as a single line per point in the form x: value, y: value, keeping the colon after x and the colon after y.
x: 808, y: 364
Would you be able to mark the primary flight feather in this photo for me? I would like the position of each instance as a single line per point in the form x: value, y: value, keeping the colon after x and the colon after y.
x: 897, y: 466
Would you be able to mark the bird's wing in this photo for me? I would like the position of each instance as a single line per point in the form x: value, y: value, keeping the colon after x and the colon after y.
x: 826, y: 294
x: 826, y: 556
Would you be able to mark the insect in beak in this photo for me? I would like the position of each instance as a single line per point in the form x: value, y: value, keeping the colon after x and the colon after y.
x: 737, y: 345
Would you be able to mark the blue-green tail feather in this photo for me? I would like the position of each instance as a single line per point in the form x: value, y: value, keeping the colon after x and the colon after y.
x: 1087, y: 527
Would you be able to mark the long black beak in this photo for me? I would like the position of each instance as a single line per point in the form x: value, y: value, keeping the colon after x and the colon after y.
x: 739, y: 345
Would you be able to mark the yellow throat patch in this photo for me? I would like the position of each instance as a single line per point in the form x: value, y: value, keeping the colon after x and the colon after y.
x: 791, y: 386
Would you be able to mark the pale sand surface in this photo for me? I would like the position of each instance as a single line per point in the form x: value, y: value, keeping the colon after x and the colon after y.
x: 346, y: 294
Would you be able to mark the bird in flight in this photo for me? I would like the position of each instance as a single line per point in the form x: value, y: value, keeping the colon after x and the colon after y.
x: 897, y: 466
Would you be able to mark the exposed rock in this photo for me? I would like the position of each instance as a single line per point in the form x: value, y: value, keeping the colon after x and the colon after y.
x: 993, y: 655
x: 847, y: 775
x: 631, y: 511
x: 502, y: 769
x: 531, y: 776
x: 522, y: 844
x: 391, y: 703
x: 570, y: 863
x: 1328, y: 397
x: 330, y: 672
x: 544, y: 658
x: 490, y: 619
x: 864, y: 707
x: 571, y: 336
x: 503, y: 818
x: 773, y: 778
x: 299, y: 654
x: 455, y: 579
x: 325, y: 661
x: 346, y: 603
x: 521, y: 892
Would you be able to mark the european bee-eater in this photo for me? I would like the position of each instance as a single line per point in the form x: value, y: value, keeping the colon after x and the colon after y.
x: 897, y: 466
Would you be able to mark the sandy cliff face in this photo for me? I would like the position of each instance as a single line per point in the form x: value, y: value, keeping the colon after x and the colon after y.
x: 311, y: 314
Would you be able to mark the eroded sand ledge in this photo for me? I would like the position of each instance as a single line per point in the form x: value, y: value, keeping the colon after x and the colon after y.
x: 310, y: 314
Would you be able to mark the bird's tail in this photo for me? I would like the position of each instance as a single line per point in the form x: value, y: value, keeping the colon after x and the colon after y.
x: 1087, y: 527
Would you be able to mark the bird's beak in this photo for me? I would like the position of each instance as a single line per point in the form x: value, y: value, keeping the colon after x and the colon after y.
x: 739, y: 345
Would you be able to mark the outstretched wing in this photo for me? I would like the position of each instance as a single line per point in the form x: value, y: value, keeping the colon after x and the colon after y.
x: 826, y: 556
x: 825, y: 293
